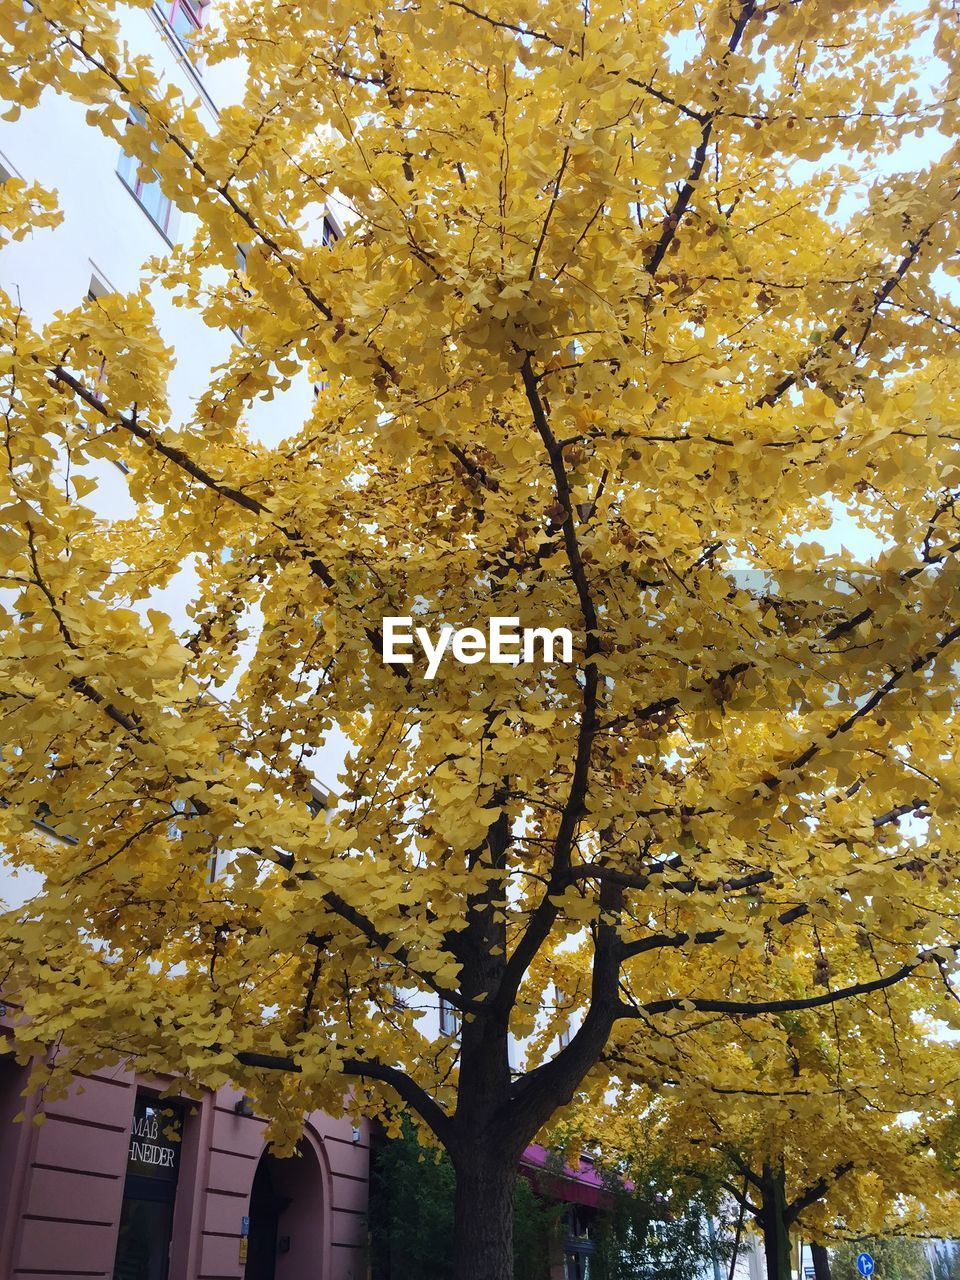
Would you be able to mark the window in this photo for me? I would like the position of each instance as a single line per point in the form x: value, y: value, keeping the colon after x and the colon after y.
x: 13, y: 1079
x: 318, y: 801
x: 151, y: 199
x: 579, y: 1245
x: 174, y: 827
x: 186, y: 19
x: 449, y: 1019
x: 564, y: 1037
x: 97, y: 289
x: 240, y: 273
x: 577, y: 1265
x: 181, y: 812
x: 149, y: 1191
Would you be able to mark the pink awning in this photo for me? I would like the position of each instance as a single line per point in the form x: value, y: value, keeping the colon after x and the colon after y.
x: 577, y: 1186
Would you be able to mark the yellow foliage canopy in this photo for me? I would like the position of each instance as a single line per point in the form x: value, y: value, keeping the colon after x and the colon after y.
x: 632, y: 301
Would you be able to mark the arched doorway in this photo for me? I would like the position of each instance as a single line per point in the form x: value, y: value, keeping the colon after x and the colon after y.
x: 287, y: 1212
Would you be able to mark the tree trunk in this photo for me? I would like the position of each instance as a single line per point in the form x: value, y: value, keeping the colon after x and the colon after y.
x: 773, y: 1221
x: 821, y: 1261
x: 483, y: 1217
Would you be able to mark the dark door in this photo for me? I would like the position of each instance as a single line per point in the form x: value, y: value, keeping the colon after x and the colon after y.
x: 143, y: 1242
x: 265, y: 1209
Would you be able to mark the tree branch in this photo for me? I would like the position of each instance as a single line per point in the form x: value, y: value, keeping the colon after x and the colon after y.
x: 815, y: 1192
x: 411, y: 1093
x: 754, y: 1008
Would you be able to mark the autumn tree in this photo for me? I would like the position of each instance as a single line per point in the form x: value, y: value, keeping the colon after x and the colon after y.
x: 633, y: 300
x: 895, y: 1258
x: 826, y: 1125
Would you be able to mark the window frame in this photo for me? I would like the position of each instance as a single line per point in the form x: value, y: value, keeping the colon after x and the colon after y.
x: 579, y: 1244
x: 449, y: 1019
x: 240, y: 270
x: 128, y: 171
x: 194, y: 12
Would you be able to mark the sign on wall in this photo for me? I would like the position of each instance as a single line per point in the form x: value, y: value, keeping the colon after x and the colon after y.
x: 155, y: 1139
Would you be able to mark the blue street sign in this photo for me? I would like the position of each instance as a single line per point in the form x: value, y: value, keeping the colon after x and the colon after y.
x: 244, y: 1226
x: 865, y: 1264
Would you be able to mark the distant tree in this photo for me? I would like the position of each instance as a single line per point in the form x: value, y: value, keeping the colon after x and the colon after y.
x: 896, y: 1258
x: 411, y: 1210
x: 536, y: 1224
x: 647, y: 1235
x: 799, y: 1131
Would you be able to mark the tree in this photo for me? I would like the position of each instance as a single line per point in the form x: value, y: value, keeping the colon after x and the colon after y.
x: 411, y: 1210
x: 652, y: 1231
x: 411, y: 1215
x: 828, y: 1123
x: 644, y: 1229
x: 895, y: 1259
x: 629, y: 306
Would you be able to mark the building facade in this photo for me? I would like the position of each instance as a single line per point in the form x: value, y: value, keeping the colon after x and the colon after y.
x: 118, y: 1183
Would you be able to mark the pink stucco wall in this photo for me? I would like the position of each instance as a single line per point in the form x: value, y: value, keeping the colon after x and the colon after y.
x: 61, y: 1186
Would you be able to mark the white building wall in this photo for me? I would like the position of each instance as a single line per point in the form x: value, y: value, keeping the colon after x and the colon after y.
x: 106, y: 234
